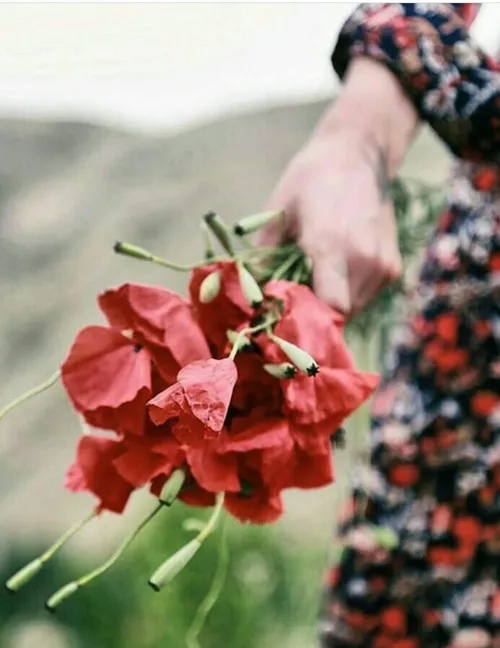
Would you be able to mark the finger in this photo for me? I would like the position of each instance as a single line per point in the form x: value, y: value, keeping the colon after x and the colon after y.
x: 331, y: 281
x: 367, y: 293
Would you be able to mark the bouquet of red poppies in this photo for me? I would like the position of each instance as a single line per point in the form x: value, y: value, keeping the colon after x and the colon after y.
x: 222, y: 400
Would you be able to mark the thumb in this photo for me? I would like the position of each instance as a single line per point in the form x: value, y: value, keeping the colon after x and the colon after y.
x: 331, y: 281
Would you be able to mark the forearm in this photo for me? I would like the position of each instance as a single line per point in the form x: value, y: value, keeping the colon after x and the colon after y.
x: 374, y: 108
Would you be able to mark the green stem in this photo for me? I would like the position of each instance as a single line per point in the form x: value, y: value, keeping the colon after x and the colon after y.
x: 24, y: 575
x: 47, y: 555
x: 249, y: 331
x: 213, y: 593
x: 29, y: 394
x: 286, y: 265
x: 121, y: 548
x: 133, y: 251
x: 69, y: 589
x: 212, y: 522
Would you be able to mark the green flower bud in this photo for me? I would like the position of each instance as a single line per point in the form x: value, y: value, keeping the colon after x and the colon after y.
x: 250, y: 287
x: 60, y: 596
x: 174, y: 565
x: 210, y: 287
x: 172, y: 487
x: 300, y: 358
x: 220, y: 230
x: 283, y: 370
x: 24, y: 575
x: 253, y: 223
x: 134, y: 251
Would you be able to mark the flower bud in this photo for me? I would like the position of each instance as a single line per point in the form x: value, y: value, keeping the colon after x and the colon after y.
x: 24, y: 575
x: 250, y: 287
x: 174, y: 565
x: 220, y: 230
x: 172, y: 487
x: 60, y: 596
x: 300, y: 358
x: 210, y: 287
x: 134, y: 251
x: 253, y: 223
x: 283, y: 370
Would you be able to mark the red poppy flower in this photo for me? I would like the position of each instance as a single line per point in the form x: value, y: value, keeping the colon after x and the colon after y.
x: 198, y: 401
x: 108, y: 379
x: 228, y: 310
x: 147, y: 457
x: 333, y: 393
x: 109, y: 372
x: 310, y: 324
x: 159, y: 319
x: 93, y: 471
x: 291, y: 466
x: 217, y: 465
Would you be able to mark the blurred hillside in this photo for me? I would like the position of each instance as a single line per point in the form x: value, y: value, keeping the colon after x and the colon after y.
x: 67, y: 192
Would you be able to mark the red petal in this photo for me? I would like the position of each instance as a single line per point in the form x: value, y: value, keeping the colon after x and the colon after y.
x: 190, y: 432
x: 162, y: 316
x: 311, y: 438
x: 129, y: 418
x: 166, y: 405
x: 264, y: 434
x: 212, y: 471
x: 310, y: 471
x: 208, y: 387
x: 138, y: 465
x: 95, y: 456
x: 332, y: 393
x: 102, y: 370
x: 310, y: 324
x: 261, y: 507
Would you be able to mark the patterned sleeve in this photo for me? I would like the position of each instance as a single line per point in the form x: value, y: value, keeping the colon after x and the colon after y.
x: 453, y: 84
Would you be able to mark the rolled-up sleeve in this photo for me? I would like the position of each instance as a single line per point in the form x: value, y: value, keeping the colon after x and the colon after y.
x: 454, y: 85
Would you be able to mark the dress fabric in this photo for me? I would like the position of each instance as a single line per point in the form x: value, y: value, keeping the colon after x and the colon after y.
x: 419, y: 562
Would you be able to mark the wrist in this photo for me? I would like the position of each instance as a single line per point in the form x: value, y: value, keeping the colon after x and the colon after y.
x: 375, y: 110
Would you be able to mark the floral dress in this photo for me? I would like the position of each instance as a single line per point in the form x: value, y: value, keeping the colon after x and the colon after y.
x: 419, y: 557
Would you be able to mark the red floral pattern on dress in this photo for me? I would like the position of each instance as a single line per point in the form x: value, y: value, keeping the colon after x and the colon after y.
x: 420, y: 537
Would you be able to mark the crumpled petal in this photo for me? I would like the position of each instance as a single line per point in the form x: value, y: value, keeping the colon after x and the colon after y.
x: 95, y: 472
x: 208, y: 387
x: 167, y: 404
x: 102, y: 373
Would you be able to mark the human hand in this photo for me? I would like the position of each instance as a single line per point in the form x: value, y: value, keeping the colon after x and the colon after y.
x: 335, y: 195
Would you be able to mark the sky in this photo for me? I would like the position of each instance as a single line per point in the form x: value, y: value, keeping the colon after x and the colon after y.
x: 157, y: 66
